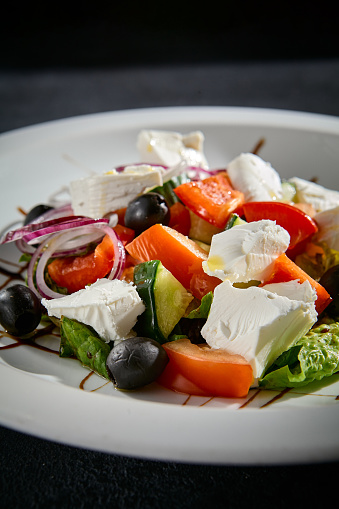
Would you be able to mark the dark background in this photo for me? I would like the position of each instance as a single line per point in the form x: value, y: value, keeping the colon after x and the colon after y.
x: 60, y: 59
x: 106, y: 34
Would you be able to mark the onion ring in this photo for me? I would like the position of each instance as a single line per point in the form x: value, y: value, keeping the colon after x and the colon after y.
x: 55, y: 243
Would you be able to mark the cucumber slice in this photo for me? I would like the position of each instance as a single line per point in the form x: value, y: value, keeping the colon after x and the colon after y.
x: 165, y: 299
x: 234, y: 220
x: 289, y: 191
x: 201, y: 230
x: 171, y: 300
x: 167, y: 189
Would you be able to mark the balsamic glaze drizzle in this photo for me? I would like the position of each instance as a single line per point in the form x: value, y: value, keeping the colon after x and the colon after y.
x: 30, y: 340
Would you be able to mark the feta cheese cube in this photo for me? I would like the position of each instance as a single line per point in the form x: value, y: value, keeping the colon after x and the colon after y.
x: 169, y: 148
x: 97, y: 195
x: 328, y: 224
x: 246, y: 251
x: 259, y: 323
x: 320, y: 197
x: 111, y: 307
x: 255, y: 178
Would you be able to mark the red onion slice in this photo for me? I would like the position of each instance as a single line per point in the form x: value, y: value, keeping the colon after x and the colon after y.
x: 54, y: 213
x: 55, y: 243
x: 36, y: 231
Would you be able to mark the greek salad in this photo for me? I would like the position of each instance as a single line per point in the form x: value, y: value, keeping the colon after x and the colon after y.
x: 208, y: 281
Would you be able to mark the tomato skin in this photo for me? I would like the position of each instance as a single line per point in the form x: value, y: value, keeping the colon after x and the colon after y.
x: 171, y: 379
x: 121, y: 215
x: 179, y: 254
x: 298, y: 224
x: 214, y: 372
x: 284, y: 269
x: 75, y: 272
x: 180, y: 218
x: 212, y: 199
x: 126, y: 235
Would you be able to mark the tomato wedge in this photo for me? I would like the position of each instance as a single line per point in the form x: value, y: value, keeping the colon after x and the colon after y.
x: 180, y: 219
x: 212, y: 372
x: 298, y: 224
x: 171, y: 379
x: 126, y: 235
x: 212, y: 199
x: 284, y: 269
x: 179, y: 254
x: 75, y: 272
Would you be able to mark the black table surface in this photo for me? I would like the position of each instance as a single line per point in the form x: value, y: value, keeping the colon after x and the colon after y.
x: 38, y: 473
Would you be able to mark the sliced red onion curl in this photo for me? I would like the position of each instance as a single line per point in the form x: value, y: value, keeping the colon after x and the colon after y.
x: 55, y: 243
x: 34, y: 232
x: 54, y: 213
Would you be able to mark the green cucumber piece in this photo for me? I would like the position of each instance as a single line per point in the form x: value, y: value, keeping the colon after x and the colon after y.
x: 165, y: 299
x: 234, y: 220
x: 171, y: 300
x: 167, y: 189
x: 201, y: 230
x: 289, y: 191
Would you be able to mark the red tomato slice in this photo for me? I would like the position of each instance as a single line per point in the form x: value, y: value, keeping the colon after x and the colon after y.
x: 180, y: 218
x: 214, y: 372
x: 284, y: 269
x: 212, y: 199
x: 175, y: 381
x: 75, y: 272
x: 126, y: 235
x: 298, y: 224
x: 179, y: 254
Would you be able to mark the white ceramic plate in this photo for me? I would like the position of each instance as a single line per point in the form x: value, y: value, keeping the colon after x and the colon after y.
x: 40, y: 393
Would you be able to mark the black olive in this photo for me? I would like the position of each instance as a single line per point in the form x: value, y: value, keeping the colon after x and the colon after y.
x: 35, y: 212
x: 145, y: 211
x: 330, y: 281
x: 191, y: 327
x: 136, y: 362
x: 20, y: 310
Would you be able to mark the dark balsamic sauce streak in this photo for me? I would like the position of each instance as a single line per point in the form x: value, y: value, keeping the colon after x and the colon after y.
x: 84, y: 380
x: 254, y: 395
x: 258, y: 146
x: 87, y: 377
x: 30, y: 341
x: 276, y: 398
x: 11, y: 276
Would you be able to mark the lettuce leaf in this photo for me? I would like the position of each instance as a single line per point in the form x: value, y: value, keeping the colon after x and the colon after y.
x: 313, y: 357
x: 317, y: 259
x: 204, y: 308
x: 80, y: 341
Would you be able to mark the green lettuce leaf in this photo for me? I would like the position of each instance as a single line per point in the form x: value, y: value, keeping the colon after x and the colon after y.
x: 204, y: 308
x: 80, y: 341
x: 313, y: 357
x: 317, y: 262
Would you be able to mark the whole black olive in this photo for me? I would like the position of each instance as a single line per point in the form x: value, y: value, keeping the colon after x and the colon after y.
x: 20, y: 310
x: 145, y: 211
x: 136, y: 362
x: 330, y: 281
x: 35, y: 212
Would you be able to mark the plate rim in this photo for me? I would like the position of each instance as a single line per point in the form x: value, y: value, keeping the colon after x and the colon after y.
x: 25, y: 422
x: 243, y: 113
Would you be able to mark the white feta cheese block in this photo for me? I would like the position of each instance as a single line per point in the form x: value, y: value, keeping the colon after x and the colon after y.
x: 320, y: 197
x: 246, y: 252
x: 97, y: 195
x: 256, y: 178
x: 169, y: 148
x: 111, y: 307
x: 328, y: 227
x: 259, y: 323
